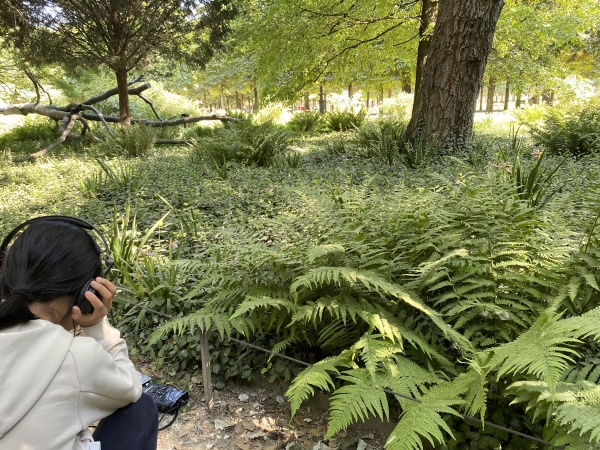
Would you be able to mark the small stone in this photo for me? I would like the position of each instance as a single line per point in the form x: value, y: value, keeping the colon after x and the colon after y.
x: 256, y: 435
x: 243, y: 397
x: 280, y: 399
x: 222, y: 424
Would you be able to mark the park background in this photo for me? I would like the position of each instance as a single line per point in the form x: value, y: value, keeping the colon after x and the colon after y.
x: 401, y: 195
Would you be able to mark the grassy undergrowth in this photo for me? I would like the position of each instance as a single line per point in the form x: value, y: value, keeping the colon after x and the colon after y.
x: 423, y: 277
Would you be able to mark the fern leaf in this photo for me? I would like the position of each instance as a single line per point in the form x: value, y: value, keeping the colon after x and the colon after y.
x: 543, y: 351
x: 361, y: 398
x: 252, y: 303
x: 374, y: 351
x: 586, y: 325
x: 316, y: 376
x: 583, y: 418
x: 202, y: 319
x: 423, y: 419
x: 321, y: 250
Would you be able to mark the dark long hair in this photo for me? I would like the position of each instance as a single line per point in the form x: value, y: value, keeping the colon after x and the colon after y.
x: 48, y: 260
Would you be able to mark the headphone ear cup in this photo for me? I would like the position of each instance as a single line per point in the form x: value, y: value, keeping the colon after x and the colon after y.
x: 83, y: 303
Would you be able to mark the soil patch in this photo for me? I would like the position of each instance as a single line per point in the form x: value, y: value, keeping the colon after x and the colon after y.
x: 257, y: 417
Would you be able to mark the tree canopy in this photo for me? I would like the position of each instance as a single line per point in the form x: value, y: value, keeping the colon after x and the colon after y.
x: 121, y: 34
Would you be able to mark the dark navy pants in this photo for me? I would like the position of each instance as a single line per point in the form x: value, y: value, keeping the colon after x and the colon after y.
x: 133, y: 427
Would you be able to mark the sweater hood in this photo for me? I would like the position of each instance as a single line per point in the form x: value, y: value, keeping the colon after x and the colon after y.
x: 30, y: 356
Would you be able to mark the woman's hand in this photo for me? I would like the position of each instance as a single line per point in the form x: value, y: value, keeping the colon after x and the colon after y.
x: 106, y: 290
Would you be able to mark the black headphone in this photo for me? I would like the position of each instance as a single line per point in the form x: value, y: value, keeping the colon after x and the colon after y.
x: 80, y: 300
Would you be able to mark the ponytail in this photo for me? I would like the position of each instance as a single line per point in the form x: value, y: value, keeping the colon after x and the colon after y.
x: 14, y: 309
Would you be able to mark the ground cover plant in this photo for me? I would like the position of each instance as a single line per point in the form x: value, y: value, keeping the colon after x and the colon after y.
x: 441, y: 281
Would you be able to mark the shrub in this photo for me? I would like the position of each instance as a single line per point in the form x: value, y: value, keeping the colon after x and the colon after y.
x: 383, y: 138
x: 133, y: 140
x: 245, y: 143
x: 344, y: 120
x: 305, y: 121
x: 24, y: 136
x: 573, y: 131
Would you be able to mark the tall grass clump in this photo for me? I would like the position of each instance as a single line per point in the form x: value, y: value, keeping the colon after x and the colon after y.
x: 132, y: 140
x: 344, y: 120
x: 384, y: 138
x: 305, y: 121
x: 28, y: 136
x: 244, y: 143
x: 572, y: 130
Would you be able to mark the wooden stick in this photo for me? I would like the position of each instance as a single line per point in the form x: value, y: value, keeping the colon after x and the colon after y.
x: 206, y: 371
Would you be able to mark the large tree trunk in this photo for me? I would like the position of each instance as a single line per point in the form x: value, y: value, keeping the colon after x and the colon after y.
x: 122, y: 87
x: 428, y: 10
x: 444, y: 109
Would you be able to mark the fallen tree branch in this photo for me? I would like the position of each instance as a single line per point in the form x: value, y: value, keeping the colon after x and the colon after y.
x: 151, y: 106
x: 183, y: 120
x: 100, y: 115
x: 105, y: 95
x: 55, y: 144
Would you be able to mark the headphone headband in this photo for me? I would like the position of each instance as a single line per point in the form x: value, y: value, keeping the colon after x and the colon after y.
x: 66, y: 219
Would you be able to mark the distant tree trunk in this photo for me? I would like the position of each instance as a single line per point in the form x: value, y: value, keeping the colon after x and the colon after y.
x: 122, y: 87
x: 491, y: 92
x: 406, y: 86
x: 255, y: 99
x: 306, y: 101
x: 222, y: 96
x: 481, y: 98
x: 350, y: 91
x: 506, y: 94
x: 368, y: 99
x: 444, y: 109
x: 238, y: 105
x: 428, y: 10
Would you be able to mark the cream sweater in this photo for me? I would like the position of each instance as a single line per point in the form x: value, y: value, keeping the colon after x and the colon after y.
x: 54, y: 385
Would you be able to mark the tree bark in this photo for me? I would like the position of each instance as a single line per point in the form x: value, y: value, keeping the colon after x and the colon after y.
x: 122, y: 88
x: 444, y: 109
x: 428, y: 10
x: 506, y: 94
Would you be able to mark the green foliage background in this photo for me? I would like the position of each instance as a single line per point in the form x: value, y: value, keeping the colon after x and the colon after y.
x: 445, y: 282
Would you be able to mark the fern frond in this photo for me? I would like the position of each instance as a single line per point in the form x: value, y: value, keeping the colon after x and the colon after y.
x: 584, y: 326
x: 203, y: 319
x: 582, y: 418
x: 321, y: 250
x: 356, y: 401
x: 543, y: 351
x: 423, y: 419
x: 374, y: 350
x: 316, y: 376
x: 252, y: 303
x: 341, y: 307
x: 405, y: 377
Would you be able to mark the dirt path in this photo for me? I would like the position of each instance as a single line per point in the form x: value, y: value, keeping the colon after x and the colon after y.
x: 252, y: 417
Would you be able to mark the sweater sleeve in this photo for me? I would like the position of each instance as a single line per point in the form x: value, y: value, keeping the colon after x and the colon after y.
x: 108, y: 379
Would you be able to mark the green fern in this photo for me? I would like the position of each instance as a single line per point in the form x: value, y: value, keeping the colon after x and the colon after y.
x: 362, y: 397
x: 423, y: 420
x: 316, y: 376
x: 544, y: 351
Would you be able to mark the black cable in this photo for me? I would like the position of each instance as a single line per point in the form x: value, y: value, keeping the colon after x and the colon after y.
x: 171, y: 422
